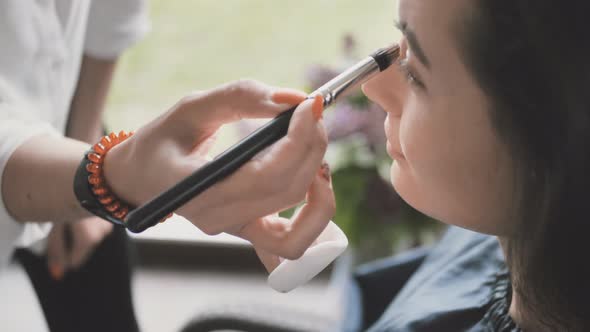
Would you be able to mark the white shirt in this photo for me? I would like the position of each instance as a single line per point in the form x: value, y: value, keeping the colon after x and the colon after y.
x: 41, y: 47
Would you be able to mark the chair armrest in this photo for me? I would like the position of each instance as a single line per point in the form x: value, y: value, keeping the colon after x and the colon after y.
x: 250, y: 317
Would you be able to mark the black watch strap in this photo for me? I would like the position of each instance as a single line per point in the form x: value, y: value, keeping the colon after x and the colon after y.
x: 84, y: 194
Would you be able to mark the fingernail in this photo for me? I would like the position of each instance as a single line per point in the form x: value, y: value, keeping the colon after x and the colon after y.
x: 318, y: 107
x: 288, y: 97
x: 324, y: 172
x: 56, y: 271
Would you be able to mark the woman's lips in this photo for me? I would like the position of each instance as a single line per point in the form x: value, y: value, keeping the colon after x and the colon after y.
x: 394, y: 153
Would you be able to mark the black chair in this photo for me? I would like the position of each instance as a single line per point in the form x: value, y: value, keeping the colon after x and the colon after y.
x: 378, y: 283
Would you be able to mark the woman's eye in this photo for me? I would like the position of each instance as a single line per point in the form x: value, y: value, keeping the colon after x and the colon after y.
x: 409, y: 75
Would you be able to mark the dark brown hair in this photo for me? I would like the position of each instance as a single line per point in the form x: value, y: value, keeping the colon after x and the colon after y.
x: 532, y: 59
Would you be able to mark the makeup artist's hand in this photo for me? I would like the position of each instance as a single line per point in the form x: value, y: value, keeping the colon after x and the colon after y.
x: 173, y: 146
x: 319, y: 205
x: 85, y: 235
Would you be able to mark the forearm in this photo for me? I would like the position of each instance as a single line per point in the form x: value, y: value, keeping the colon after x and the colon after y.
x: 86, y: 110
x: 38, y: 180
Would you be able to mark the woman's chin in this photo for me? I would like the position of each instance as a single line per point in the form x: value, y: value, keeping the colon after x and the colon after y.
x: 406, y: 187
x: 397, y: 177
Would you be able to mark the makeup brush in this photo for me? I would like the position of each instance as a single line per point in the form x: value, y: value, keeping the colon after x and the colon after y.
x: 233, y: 158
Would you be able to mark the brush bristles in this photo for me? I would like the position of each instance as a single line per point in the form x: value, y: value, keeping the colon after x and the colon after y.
x: 386, y: 56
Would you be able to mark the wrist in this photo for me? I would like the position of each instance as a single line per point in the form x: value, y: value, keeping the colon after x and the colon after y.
x: 100, y: 184
x: 90, y: 186
x: 116, y: 170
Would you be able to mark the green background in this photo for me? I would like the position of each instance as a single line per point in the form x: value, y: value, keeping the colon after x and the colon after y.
x: 196, y: 45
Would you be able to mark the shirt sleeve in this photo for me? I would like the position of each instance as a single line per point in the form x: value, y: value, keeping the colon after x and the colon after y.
x: 16, y: 127
x: 115, y: 25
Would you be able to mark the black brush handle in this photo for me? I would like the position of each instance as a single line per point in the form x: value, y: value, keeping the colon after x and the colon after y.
x: 225, y: 164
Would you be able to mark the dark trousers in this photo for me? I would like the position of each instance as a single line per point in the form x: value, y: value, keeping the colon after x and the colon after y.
x: 96, y: 297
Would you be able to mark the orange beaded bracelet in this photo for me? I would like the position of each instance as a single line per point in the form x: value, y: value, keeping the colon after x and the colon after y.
x: 90, y: 185
x: 100, y: 188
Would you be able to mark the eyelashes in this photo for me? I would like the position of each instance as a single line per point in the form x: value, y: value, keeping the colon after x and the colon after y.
x: 410, y: 75
x: 406, y: 70
x: 404, y: 67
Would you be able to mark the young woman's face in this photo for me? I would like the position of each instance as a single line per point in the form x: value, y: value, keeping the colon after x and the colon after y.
x: 448, y: 161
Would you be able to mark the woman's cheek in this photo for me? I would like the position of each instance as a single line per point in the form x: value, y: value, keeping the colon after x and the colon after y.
x: 406, y: 173
x: 421, y: 176
x: 413, y: 134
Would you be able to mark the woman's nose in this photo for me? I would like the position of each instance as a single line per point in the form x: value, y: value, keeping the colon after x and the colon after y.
x: 388, y: 90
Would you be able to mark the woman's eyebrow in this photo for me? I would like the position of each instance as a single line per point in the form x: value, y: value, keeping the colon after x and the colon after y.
x: 413, y: 41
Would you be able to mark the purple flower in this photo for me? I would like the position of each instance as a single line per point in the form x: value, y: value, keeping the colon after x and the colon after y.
x: 344, y: 120
x: 318, y: 75
x: 348, y: 119
x: 352, y: 114
x: 373, y: 130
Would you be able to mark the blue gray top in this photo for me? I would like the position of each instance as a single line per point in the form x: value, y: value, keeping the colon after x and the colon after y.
x: 462, y: 285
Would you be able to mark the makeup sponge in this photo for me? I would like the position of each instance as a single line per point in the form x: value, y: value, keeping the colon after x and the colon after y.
x: 327, y: 247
